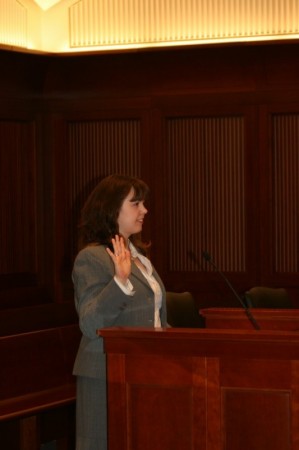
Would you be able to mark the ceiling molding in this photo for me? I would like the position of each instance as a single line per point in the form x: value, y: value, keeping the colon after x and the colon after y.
x: 100, y: 25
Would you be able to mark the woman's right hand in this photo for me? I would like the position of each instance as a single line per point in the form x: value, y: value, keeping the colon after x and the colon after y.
x: 121, y: 257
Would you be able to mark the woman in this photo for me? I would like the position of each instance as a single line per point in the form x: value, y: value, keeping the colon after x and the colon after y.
x: 115, y: 285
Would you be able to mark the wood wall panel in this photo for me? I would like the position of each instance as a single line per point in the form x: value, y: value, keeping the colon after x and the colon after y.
x: 18, y: 213
x: 96, y: 149
x: 205, y: 169
x: 285, y: 185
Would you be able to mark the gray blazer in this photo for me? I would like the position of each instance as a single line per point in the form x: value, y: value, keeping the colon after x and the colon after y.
x: 101, y: 303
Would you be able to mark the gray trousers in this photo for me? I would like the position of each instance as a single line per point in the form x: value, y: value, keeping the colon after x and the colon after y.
x: 91, y: 414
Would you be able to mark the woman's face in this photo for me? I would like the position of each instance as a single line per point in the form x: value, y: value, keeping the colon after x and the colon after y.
x: 131, y: 215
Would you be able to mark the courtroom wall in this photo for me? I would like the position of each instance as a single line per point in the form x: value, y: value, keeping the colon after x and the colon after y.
x: 213, y: 130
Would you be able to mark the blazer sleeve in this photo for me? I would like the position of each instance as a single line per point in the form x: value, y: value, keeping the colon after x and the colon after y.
x: 98, y: 299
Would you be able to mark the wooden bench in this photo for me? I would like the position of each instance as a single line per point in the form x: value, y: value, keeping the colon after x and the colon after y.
x: 38, y: 317
x: 37, y: 388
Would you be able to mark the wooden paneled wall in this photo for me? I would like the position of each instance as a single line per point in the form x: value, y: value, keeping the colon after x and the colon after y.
x: 204, y: 177
x: 215, y: 133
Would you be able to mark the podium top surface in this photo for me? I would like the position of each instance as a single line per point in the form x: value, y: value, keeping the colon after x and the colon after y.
x: 269, y: 344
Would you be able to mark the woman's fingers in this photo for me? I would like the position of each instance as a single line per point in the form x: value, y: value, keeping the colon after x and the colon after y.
x: 121, y: 258
x: 118, y: 246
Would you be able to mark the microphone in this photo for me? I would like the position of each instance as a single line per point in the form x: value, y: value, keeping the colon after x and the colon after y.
x: 207, y: 258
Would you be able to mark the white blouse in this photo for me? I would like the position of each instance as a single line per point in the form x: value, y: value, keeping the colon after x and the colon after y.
x: 146, y: 268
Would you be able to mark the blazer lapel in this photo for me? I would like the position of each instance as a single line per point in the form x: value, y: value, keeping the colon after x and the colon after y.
x: 136, y: 273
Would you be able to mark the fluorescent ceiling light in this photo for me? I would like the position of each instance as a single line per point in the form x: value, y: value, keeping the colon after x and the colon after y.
x: 46, y: 4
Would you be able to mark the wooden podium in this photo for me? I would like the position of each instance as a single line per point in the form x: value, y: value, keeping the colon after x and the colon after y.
x: 202, y: 389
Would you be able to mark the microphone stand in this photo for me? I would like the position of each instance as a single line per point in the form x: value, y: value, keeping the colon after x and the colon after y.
x: 208, y: 258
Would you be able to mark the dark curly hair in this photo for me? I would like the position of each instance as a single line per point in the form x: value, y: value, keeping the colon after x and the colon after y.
x: 98, y: 224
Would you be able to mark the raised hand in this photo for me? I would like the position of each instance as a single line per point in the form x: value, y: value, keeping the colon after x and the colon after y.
x: 121, y: 258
